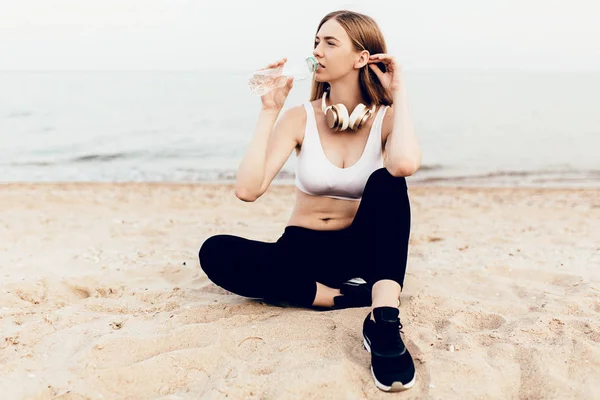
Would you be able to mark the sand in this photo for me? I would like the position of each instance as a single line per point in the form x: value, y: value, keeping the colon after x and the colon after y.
x: 102, y: 297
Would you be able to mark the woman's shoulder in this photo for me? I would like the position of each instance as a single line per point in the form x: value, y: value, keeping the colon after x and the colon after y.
x: 297, y: 112
x: 305, y: 106
x: 293, y: 122
x: 293, y: 118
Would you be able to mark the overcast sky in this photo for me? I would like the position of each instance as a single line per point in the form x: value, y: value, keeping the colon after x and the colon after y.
x: 242, y: 34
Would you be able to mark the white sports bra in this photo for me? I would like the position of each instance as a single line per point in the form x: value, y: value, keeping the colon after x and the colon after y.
x: 317, y: 176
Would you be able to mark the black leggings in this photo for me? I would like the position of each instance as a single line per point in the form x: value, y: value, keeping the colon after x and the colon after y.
x: 373, y: 247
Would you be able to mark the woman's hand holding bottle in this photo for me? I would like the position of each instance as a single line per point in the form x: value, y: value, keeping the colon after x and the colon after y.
x: 274, y: 99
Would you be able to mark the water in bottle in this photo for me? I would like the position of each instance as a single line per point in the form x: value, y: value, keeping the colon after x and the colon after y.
x: 265, y: 80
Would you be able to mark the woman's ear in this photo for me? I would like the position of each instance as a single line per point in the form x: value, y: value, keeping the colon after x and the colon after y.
x: 362, y: 60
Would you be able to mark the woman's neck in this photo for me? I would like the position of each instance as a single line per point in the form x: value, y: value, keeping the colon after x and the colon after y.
x: 345, y: 93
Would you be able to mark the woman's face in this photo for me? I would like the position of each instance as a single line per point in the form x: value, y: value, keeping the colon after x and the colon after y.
x: 334, y: 51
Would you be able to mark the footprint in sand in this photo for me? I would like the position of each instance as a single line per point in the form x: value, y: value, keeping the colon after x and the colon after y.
x: 180, y: 275
x: 91, y: 288
x: 479, y: 321
x: 240, y: 313
x: 81, y: 291
x: 124, y: 351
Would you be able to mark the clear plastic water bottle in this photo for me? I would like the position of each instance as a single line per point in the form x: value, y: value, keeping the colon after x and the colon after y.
x: 265, y: 80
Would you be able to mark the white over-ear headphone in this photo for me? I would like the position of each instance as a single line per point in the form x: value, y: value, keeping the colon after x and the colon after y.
x: 338, y: 119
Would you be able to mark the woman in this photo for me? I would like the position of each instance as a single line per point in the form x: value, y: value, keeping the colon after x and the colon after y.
x: 352, y: 213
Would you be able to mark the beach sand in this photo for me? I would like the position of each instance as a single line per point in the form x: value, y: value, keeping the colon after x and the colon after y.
x: 102, y: 297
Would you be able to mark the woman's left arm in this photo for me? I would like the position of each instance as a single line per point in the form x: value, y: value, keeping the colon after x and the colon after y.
x: 402, y: 150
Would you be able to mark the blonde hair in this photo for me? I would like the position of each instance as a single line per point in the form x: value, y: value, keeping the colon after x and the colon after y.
x: 365, y: 35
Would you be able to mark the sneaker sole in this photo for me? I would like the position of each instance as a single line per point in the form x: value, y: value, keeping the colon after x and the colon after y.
x: 396, y: 386
x: 357, y: 281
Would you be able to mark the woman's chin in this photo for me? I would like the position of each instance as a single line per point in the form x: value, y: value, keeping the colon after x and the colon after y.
x: 319, y: 76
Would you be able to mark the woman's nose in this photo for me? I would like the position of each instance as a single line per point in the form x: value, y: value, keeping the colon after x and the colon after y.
x: 317, y: 52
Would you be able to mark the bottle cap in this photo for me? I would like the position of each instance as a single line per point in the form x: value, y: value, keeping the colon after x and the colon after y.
x: 312, y: 64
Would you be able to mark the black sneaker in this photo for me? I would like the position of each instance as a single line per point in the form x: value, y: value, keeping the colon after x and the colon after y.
x: 355, y: 293
x: 391, y: 364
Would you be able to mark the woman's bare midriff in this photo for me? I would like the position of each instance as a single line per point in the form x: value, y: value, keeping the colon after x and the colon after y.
x: 322, y: 213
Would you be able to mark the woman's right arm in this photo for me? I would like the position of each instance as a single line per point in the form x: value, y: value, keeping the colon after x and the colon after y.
x: 266, y: 154
x: 271, y: 144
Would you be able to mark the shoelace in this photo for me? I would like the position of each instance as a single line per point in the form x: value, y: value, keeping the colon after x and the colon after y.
x: 389, y: 332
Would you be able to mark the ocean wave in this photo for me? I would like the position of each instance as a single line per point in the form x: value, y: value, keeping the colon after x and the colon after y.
x: 434, y: 175
x: 146, y: 166
x: 147, y: 156
x: 431, y: 167
x: 539, y: 176
x: 103, y: 157
x: 86, y: 158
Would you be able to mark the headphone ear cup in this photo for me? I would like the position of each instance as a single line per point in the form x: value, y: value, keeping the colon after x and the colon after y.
x: 362, y: 121
x: 368, y: 113
x: 343, y: 117
x: 332, y: 118
x: 355, y: 121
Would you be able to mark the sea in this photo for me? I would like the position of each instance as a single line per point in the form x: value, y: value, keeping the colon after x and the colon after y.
x: 475, y: 128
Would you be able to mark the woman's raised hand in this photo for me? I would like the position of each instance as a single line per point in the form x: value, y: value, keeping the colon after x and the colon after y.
x: 275, y: 98
x: 390, y: 79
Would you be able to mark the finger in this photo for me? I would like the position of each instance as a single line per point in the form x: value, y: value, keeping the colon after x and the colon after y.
x: 277, y: 63
x: 290, y: 83
x: 384, y: 58
x: 381, y: 55
x: 377, y: 70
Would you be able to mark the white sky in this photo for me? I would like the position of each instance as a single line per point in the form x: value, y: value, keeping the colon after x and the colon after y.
x: 243, y: 34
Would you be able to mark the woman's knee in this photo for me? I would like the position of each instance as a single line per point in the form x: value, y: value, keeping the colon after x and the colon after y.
x: 386, y: 188
x: 382, y: 175
x: 381, y: 180
x: 210, y: 254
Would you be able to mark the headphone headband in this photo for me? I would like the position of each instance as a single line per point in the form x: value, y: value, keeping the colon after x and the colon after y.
x: 338, y: 119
